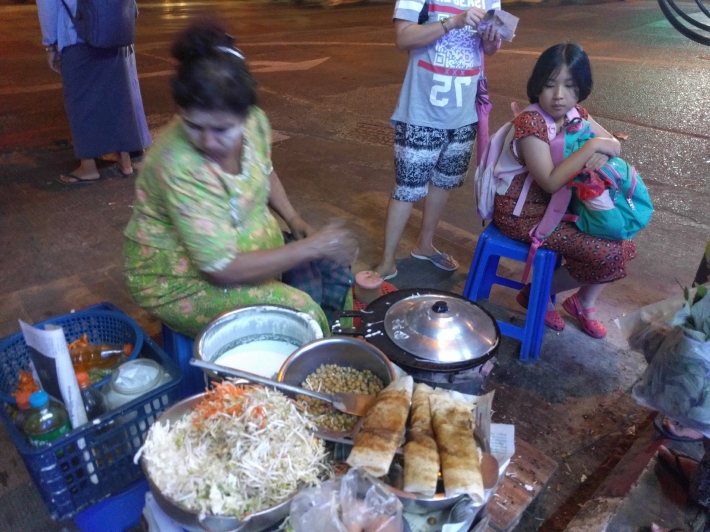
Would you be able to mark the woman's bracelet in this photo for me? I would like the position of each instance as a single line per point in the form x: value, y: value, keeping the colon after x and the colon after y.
x: 50, y: 48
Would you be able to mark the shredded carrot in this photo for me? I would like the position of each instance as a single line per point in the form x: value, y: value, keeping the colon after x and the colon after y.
x: 226, y: 398
x: 236, y: 409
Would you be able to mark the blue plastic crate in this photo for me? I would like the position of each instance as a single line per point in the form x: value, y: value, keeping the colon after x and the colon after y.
x: 101, y: 323
x: 95, y: 461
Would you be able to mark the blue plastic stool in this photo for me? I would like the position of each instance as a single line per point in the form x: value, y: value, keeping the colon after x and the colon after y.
x: 492, y: 245
x: 118, y: 513
x: 179, y: 348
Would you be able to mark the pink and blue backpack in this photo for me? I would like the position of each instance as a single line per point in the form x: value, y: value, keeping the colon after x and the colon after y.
x: 622, y: 208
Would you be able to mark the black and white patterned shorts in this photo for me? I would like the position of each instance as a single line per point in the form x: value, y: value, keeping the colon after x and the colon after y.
x: 424, y: 155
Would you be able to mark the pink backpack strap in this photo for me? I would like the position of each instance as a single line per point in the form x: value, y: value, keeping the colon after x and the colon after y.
x: 559, y: 202
x: 557, y: 149
x: 537, y: 237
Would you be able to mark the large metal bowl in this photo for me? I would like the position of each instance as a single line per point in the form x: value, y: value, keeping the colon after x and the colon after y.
x: 255, y: 522
x: 253, y: 325
x: 343, y: 351
x: 339, y: 350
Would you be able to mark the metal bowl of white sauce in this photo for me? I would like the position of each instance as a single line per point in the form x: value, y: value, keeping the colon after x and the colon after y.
x: 256, y: 338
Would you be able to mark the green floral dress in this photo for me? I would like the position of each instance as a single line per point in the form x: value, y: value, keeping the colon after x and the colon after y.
x: 191, y: 218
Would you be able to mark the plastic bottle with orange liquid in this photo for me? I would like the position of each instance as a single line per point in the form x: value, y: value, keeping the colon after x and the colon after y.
x: 104, y: 356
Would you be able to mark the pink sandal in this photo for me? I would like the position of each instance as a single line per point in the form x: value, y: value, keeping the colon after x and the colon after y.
x: 553, y: 320
x: 592, y: 327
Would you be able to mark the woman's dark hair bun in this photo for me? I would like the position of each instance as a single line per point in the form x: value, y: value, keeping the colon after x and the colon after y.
x: 200, y: 41
x: 211, y: 75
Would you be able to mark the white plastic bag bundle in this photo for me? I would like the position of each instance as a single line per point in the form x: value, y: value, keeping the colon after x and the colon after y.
x: 674, y: 338
x: 352, y: 503
x: 677, y: 381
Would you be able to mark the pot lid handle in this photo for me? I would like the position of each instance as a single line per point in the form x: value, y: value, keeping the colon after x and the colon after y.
x: 440, y: 307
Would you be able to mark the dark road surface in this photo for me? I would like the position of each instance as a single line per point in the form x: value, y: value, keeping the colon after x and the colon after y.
x: 650, y: 82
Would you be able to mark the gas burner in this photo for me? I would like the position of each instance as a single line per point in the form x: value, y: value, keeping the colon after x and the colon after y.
x: 470, y: 381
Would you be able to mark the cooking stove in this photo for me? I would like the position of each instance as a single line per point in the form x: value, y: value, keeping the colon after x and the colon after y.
x: 463, y: 376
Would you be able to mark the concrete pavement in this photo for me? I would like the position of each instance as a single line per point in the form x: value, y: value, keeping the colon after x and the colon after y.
x: 61, y: 248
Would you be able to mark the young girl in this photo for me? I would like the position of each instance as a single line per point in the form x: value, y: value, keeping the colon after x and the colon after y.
x: 561, y: 79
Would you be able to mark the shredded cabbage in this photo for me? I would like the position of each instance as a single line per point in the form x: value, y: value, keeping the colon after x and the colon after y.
x: 242, y: 450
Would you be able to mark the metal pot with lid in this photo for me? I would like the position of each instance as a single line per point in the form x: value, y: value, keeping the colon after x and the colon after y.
x: 429, y: 330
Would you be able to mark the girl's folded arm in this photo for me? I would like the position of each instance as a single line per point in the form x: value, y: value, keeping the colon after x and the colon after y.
x: 599, y: 131
x: 551, y: 178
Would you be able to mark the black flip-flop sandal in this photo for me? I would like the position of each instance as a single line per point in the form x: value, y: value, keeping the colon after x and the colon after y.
x: 78, y: 182
x: 115, y: 171
x: 658, y: 423
x: 675, y: 468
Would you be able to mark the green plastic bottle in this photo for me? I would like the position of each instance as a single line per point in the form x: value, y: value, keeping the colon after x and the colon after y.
x: 48, y: 422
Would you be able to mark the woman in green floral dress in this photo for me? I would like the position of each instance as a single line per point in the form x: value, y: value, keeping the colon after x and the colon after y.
x: 202, y: 240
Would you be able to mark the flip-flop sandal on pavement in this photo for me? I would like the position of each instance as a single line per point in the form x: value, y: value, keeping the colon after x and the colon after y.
x: 440, y: 259
x: 658, y: 423
x: 73, y: 180
x: 115, y: 171
x: 675, y: 468
x: 390, y: 276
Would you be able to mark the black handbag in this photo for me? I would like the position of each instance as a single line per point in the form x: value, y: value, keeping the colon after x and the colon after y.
x: 105, y: 23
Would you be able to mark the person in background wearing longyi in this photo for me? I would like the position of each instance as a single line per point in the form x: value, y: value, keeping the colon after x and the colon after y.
x: 435, y: 120
x: 99, y: 99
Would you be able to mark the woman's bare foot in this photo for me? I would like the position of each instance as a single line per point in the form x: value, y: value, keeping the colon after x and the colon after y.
x: 675, y: 428
x: 86, y: 172
x: 124, y: 163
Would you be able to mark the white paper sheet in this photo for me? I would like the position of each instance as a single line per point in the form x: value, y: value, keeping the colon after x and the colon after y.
x: 502, y: 444
x: 52, y: 344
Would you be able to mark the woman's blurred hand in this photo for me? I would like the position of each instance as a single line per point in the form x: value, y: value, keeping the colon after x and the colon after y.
x: 300, y: 229
x: 335, y: 242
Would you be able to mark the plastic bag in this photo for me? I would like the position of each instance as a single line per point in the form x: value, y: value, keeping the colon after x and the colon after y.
x: 647, y: 328
x: 354, y: 502
x: 677, y: 381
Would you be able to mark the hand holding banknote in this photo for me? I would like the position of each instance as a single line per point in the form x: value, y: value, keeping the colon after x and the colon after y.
x: 502, y: 21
